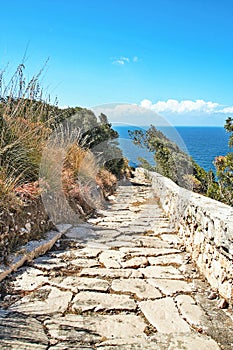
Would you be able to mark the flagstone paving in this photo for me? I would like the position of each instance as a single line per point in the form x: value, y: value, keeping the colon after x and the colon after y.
x: 120, y: 281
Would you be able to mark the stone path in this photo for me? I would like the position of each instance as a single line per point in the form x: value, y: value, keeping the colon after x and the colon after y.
x: 120, y: 281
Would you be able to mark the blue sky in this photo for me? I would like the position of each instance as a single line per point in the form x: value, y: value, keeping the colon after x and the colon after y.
x: 174, y: 57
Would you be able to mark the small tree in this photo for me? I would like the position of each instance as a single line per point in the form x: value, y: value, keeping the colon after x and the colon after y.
x: 172, y: 162
x: 224, y: 168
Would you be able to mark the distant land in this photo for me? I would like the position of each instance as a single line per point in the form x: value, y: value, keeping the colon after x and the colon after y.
x: 202, y: 143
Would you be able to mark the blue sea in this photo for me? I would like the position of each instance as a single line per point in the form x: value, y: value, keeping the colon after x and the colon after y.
x: 202, y: 143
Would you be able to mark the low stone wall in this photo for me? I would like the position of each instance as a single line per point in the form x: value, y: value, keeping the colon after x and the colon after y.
x: 205, y: 227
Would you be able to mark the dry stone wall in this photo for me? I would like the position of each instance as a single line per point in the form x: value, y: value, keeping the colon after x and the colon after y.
x: 205, y: 227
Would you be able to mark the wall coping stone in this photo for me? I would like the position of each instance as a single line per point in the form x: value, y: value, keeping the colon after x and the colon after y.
x: 205, y: 227
x: 31, y: 250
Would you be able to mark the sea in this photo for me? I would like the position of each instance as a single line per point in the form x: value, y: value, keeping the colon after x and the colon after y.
x: 203, y: 144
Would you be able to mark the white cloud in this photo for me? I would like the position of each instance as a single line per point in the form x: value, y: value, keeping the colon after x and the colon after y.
x: 166, y: 113
x: 227, y: 110
x: 185, y: 106
x: 121, y: 61
x: 124, y: 60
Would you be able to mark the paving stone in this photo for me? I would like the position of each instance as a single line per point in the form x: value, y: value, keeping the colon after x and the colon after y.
x: 170, y: 259
x: 106, y: 233
x: 111, y: 218
x: 76, y: 284
x: 153, y: 209
x: 155, y: 212
x: 161, y: 272
x: 70, y: 346
x: 88, y: 252
x: 170, y: 287
x: 108, y: 273
x: 191, y: 341
x: 140, y: 222
x: 94, y: 221
x: 171, y: 238
x: 162, y: 228
x: 193, y: 313
x: 45, y: 300
x: 28, y: 279
x: 189, y: 271
x: 20, y: 332
x: 81, y: 233
x: 122, y: 219
x: 85, y: 301
x: 136, y: 273
x: 164, y: 316
x: 129, y: 344
x: 132, y: 229
x: 111, y: 259
x: 127, y: 238
x: 163, y: 222
x: 138, y: 261
x: 95, y: 328
x: 120, y: 243
x: 120, y: 207
x: 137, y: 286
x: 47, y: 263
x: 80, y: 262
x: 69, y: 256
x: 151, y: 242
x: 64, y: 255
x: 111, y: 225
x: 141, y: 251
x: 134, y: 209
x: 97, y: 245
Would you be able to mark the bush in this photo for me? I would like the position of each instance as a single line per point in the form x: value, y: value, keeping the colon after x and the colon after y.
x: 106, y: 181
x: 44, y: 162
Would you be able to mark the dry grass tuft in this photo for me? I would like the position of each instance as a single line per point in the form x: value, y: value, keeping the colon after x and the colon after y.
x: 107, y: 181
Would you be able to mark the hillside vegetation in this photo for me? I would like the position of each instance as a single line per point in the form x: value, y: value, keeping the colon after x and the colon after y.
x: 34, y: 135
